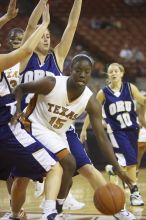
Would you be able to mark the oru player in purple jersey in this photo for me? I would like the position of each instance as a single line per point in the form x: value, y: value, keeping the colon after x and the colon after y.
x: 19, y: 151
x: 14, y: 40
x: 119, y: 112
x: 11, y: 13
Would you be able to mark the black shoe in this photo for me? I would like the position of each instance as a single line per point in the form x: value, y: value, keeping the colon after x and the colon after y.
x: 51, y: 216
x: 59, y: 207
x: 14, y: 218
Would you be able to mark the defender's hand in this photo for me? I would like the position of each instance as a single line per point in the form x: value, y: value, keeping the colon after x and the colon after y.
x: 12, y: 10
x: 83, y: 136
x: 46, y: 14
x: 124, y: 177
x: 16, y: 117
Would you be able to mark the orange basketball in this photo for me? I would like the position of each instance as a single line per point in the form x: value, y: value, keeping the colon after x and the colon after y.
x: 109, y: 199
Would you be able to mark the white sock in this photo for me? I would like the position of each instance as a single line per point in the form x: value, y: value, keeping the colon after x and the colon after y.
x: 49, y: 207
x: 60, y: 201
x: 15, y: 214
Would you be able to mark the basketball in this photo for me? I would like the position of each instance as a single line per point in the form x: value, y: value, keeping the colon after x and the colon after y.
x: 109, y: 199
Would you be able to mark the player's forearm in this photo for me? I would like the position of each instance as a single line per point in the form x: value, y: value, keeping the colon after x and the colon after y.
x: 75, y: 13
x: 34, y: 19
x: 86, y: 123
x: 3, y: 20
x: 63, y: 47
x: 36, y: 15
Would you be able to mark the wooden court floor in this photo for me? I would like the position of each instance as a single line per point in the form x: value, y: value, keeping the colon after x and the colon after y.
x: 83, y: 192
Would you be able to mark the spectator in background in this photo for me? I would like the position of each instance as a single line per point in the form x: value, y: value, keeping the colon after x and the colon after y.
x: 95, y: 23
x: 78, y: 48
x: 67, y: 63
x: 126, y: 53
x: 117, y: 24
x: 26, y: 7
x: 135, y: 2
x: 101, y: 23
x: 99, y: 70
x: 138, y: 55
x: 105, y: 23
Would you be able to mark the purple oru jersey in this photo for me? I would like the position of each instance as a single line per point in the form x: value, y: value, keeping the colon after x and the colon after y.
x: 119, y: 108
x: 35, y: 71
x: 7, y: 101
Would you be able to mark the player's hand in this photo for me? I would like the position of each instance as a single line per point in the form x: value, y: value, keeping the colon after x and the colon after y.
x: 12, y: 10
x: 46, y: 15
x: 83, y: 136
x: 45, y: 1
x: 16, y: 117
x: 124, y: 177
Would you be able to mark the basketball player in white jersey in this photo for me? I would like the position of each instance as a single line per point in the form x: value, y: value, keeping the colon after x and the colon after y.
x: 45, y: 61
x: 57, y: 107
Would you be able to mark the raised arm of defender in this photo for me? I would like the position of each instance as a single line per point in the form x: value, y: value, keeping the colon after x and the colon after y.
x: 34, y: 19
x: 62, y: 49
x: 11, y: 13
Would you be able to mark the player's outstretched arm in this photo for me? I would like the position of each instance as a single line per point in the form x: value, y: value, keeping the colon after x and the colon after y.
x: 95, y: 113
x: 34, y: 19
x: 62, y: 49
x: 11, y: 13
x: 32, y: 25
x: 10, y: 59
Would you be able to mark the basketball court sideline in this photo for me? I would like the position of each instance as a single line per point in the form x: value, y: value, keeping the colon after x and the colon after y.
x: 37, y: 216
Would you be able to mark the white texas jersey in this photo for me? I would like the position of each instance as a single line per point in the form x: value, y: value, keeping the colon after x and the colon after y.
x: 12, y: 75
x: 54, y: 111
